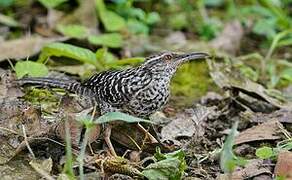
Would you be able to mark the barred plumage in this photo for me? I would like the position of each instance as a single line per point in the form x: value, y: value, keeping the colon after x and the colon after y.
x: 139, y: 91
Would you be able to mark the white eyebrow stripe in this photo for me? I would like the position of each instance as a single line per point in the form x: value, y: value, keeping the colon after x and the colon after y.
x: 155, y: 58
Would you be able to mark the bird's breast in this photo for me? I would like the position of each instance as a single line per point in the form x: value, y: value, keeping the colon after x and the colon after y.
x: 150, y: 99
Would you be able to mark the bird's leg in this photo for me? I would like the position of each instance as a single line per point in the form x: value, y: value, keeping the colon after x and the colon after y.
x: 107, y: 135
x: 108, y: 127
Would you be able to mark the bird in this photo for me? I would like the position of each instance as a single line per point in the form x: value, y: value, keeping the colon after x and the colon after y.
x: 139, y: 91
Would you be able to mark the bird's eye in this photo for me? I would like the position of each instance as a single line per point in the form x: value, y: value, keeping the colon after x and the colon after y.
x: 168, y: 57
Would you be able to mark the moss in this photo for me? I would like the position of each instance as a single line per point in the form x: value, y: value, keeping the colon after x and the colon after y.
x: 191, y: 82
x: 44, y: 97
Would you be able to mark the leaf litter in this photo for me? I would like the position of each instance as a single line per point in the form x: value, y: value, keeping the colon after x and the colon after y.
x: 194, y: 130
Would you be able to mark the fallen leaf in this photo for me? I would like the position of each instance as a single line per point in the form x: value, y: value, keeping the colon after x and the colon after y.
x: 186, y: 125
x: 252, y: 169
x: 265, y: 131
x: 24, y: 47
x: 14, y: 113
x: 282, y: 115
x: 284, y: 165
x: 133, y: 137
x: 7, y: 88
x: 44, y: 166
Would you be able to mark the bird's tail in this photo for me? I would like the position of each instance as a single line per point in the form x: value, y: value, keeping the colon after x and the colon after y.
x: 69, y: 85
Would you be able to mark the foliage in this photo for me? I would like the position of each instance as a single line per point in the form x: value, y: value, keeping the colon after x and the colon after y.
x: 6, y: 3
x: 277, y: 70
x: 67, y: 50
x: 114, y: 116
x: 102, y: 59
x: 111, y: 20
x: 68, y: 167
x: 228, y: 161
x: 270, y: 17
x: 30, y: 68
x: 50, y: 4
x: 124, y: 16
x: 272, y: 153
x: 168, y: 166
x: 138, y: 20
x: 264, y: 152
x: 113, y: 40
x: 73, y: 30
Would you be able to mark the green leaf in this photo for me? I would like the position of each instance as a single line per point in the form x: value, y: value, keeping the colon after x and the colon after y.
x: 114, y: 116
x: 169, y: 166
x: 152, y: 18
x: 266, y: 27
x: 113, y: 40
x: 137, y: 27
x: 227, y: 158
x: 49, y: 4
x: 73, y: 30
x: 30, y: 68
x: 210, y: 28
x: 127, y: 61
x: 70, y: 51
x: 6, y: 3
x: 105, y: 57
x: 178, y: 21
x: 264, y: 152
x: 213, y: 3
x: 100, y: 55
x: 110, y: 20
x: 287, y: 74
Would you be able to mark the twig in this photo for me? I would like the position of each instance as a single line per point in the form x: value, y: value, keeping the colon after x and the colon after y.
x: 9, y: 130
x: 26, y: 142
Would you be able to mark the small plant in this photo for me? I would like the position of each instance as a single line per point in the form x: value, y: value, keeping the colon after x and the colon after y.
x: 228, y: 161
x: 272, y: 153
x: 122, y: 14
x: 168, y: 166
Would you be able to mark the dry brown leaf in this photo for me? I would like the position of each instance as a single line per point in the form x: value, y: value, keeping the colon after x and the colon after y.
x: 7, y: 88
x: 133, y: 137
x: 265, y: 131
x: 284, y: 165
x: 252, y: 169
x: 186, y: 125
x: 24, y: 47
x: 85, y: 15
x: 14, y: 113
x: 282, y: 115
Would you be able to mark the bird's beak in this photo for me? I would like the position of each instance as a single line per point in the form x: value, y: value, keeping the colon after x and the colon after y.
x: 190, y: 56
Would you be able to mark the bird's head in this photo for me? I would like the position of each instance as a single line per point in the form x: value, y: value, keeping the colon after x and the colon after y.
x: 168, y: 62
